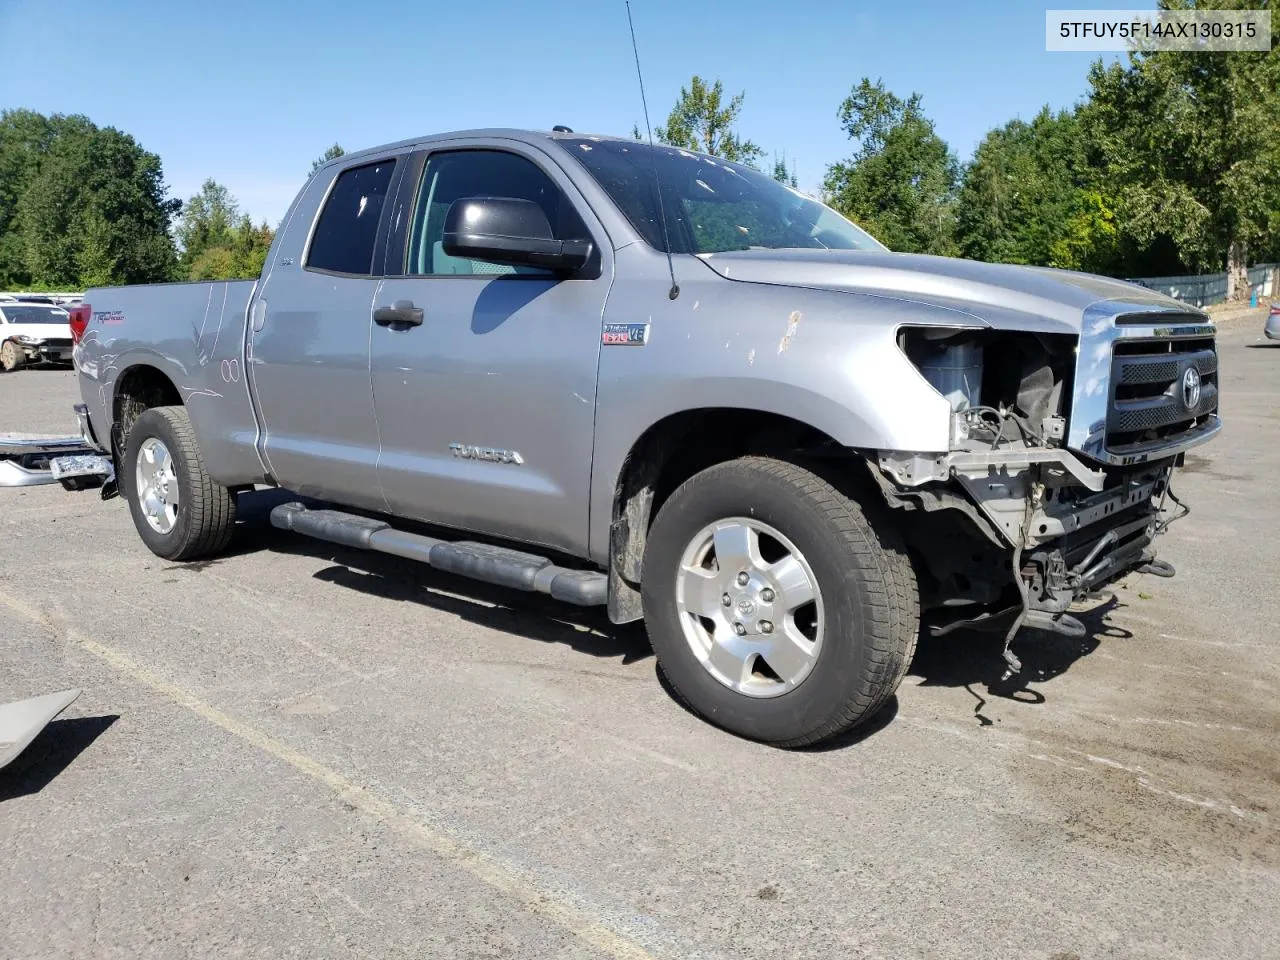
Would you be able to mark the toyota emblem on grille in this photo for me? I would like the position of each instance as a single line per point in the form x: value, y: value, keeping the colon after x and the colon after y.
x: 1191, y: 388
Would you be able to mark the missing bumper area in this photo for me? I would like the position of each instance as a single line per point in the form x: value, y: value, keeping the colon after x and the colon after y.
x: 1014, y: 538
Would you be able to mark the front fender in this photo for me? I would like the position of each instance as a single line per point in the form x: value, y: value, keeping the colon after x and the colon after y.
x: 827, y: 359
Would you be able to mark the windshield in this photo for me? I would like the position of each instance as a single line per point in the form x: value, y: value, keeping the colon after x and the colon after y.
x: 711, y: 205
x: 26, y: 314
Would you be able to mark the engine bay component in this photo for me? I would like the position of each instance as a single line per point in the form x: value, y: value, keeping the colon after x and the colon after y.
x: 1002, y: 386
x: 952, y: 365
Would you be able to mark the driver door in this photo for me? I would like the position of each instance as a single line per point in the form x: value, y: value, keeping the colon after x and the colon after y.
x: 486, y: 408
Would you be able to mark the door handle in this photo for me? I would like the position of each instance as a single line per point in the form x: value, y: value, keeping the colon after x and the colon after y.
x: 402, y: 313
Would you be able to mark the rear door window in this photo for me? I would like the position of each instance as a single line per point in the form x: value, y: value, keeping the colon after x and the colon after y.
x: 344, y: 236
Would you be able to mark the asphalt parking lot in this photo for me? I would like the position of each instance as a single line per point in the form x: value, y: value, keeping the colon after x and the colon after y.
x: 300, y: 750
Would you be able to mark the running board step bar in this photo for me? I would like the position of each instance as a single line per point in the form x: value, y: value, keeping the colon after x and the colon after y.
x: 479, y: 561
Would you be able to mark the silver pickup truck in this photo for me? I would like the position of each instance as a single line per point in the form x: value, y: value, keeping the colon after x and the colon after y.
x: 652, y: 380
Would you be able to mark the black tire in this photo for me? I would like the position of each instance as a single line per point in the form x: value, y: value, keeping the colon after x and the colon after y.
x: 870, y: 601
x: 206, y: 511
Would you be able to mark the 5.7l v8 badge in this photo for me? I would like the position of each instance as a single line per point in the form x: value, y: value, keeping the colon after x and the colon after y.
x: 625, y: 334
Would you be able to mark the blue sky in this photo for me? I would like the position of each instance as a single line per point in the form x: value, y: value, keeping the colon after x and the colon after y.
x: 250, y: 91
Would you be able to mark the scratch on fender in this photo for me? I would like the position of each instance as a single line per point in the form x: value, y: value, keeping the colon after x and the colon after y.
x: 793, y: 324
x: 222, y: 318
x: 204, y: 322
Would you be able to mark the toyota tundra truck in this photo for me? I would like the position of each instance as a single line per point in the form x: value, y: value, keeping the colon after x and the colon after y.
x: 647, y: 379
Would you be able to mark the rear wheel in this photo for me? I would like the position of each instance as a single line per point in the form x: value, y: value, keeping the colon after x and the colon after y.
x: 10, y: 357
x: 779, y: 608
x: 178, y: 510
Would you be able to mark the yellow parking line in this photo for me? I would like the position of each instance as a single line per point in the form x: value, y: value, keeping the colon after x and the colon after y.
x: 544, y: 903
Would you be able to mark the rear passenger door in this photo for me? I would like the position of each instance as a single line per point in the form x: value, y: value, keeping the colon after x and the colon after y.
x: 309, y: 338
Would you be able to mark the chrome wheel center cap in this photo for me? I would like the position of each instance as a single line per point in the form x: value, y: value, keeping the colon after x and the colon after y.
x: 748, y: 606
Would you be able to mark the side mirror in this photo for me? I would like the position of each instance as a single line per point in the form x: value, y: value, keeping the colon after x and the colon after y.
x: 509, y: 231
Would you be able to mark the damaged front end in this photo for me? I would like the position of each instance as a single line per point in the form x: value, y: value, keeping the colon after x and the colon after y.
x: 1063, y: 451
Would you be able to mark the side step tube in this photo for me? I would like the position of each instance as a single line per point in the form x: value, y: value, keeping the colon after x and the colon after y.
x: 479, y: 561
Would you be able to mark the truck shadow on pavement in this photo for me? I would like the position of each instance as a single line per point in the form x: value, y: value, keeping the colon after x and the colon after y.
x: 968, y: 659
x: 498, y: 608
x: 52, y: 751
x: 975, y: 660
x: 531, y: 615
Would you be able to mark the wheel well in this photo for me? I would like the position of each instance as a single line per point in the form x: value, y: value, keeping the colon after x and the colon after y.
x: 137, y: 389
x: 669, y: 453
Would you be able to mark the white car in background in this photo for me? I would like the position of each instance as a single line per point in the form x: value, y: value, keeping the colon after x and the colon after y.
x: 33, y: 333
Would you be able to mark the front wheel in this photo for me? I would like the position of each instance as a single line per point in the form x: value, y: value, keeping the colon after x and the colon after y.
x: 779, y: 608
x: 179, y: 511
x: 10, y: 357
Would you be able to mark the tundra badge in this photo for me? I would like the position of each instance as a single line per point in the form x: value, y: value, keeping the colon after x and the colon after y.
x: 467, y: 451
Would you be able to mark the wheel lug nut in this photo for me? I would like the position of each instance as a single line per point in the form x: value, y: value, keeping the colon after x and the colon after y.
x: 743, y: 578
x: 739, y: 629
x: 766, y: 595
x: 766, y: 626
x: 726, y: 600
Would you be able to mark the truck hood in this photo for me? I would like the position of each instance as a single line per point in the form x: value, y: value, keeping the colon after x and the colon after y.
x: 998, y: 295
x: 38, y: 331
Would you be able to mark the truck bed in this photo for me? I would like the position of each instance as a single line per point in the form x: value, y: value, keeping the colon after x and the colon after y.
x: 193, y: 334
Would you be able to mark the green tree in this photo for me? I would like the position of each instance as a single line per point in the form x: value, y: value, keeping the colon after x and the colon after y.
x: 1034, y: 193
x: 213, y: 263
x: 702, y: 121
x: 1089, y: 237
x: 218, y: 241
x: 207, y: 221
x: 1020, y: 188
x: 95, y: 261
x: 333, y: 153
x: 1190, y: 141
x: 24, y: 139
x: 96, y: 209
x: 900, y: 184
x: 249, y: 246
x: 783, y: 173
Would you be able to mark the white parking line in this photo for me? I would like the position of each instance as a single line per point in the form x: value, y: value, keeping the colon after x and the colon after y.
x: 543, y: 902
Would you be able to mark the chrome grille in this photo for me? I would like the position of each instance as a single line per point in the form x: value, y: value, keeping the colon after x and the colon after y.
x: 1129, y: 404
x: 1148, y: 400
x: 1157, y: 372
